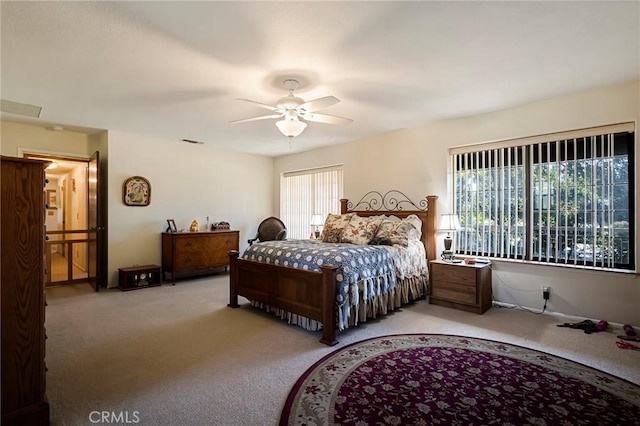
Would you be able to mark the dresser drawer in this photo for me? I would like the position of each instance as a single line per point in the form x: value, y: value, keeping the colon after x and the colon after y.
x: 455, y: 274
x: 192, y: 244
x: 191, y: 260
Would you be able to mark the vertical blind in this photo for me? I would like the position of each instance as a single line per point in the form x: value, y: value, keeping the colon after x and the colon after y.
x: 568, y: 201
x: 308, y: 192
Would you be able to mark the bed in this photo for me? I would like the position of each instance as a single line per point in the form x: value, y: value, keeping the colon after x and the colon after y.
x: 315, y: 299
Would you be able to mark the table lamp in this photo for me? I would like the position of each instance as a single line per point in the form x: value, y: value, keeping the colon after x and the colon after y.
x: 448, y: 223
x: 316, y: 221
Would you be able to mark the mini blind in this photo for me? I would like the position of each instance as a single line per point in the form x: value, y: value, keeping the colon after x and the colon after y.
x: 308, y: 192
x: 568, y: 200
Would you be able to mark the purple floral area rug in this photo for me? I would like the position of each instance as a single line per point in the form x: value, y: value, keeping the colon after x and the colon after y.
x: 427, y: 379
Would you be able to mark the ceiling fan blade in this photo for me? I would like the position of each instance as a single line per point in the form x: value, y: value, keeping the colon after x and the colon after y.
x: 261, y: 105
x: 263, y: 117
x: 317, y: 104
x: 326, y: 118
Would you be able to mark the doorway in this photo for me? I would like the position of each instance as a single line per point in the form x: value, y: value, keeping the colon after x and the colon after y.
x: 69, y: 239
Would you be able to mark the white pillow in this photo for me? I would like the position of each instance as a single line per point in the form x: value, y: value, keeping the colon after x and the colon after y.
x: 417, y: 224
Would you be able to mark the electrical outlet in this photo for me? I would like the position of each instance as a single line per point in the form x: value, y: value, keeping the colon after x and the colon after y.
x: 546, y: 292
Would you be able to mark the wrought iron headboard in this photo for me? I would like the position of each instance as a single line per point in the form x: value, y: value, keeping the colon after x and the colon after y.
x: 395, y: 202
x: 391, y: 200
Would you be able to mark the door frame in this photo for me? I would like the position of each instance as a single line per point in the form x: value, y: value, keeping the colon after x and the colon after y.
x: 100, y: 280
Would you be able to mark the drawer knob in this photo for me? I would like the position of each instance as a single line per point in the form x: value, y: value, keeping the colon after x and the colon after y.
x: 188, y: 244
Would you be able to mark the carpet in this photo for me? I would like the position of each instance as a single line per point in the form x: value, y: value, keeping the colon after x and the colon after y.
x: 429, y: 379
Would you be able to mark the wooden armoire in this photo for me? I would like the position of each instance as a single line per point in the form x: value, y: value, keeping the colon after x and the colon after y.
x: 22, y: 270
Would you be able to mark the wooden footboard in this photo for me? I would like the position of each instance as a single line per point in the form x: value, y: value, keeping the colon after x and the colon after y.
x: 313, y: 294
x: 307, y: 293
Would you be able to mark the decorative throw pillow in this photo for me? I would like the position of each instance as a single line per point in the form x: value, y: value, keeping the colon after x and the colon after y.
x: 334, y: 226
x: 396, y: 230
x: 361, y: 230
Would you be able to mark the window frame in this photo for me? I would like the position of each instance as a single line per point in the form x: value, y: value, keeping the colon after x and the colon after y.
x: 297, y: 225
x: 532, y: 156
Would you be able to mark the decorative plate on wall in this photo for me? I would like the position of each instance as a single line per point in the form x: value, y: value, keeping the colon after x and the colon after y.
x: 136, y: 191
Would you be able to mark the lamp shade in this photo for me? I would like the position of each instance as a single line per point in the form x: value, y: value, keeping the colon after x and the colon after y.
x: 317, y: 220
x: 291, y: 128
x: 449, y: 222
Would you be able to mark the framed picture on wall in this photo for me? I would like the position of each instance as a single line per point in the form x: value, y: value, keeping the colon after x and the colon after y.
x: 52, y: 199
x: 136, y: 192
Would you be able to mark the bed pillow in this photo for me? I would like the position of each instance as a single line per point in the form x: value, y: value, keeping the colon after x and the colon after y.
x: 361, y: 230
x: 417, y: 224
x: 396, y: 230
x: 334, y: 225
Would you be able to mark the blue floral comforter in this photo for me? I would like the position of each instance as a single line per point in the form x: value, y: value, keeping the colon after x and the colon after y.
x: 363, y: 271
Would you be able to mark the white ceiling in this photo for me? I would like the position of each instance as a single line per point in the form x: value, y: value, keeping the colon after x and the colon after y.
x: 174, y: 69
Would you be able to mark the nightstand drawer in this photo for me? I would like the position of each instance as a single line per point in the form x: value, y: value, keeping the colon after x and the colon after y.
x: 455, y: 274
x: 461, y: 293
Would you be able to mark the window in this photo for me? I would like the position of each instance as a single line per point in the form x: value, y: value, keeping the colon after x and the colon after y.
x: 308, y: 192
x: 566, y: 199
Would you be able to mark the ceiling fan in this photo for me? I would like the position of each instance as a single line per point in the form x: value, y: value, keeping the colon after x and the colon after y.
x: 294, y: 110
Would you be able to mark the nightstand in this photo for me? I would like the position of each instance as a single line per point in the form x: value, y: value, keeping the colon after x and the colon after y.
x: 460, y: 286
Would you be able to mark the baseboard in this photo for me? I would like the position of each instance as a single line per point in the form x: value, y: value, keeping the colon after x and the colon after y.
x: 559, y: 315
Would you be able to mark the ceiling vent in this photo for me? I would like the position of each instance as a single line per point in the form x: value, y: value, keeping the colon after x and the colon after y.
x: 20, y: 109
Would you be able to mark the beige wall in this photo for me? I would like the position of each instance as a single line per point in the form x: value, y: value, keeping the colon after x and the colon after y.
x: 14, y: 136
x: 193, y: 181
x: 416, y: 161
x: 187, y: 182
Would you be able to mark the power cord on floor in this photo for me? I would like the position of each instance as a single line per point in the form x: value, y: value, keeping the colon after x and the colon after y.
x: 544, y: 308
x: 498, y: 305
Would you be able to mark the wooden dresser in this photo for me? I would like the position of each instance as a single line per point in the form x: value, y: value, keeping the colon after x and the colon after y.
x: 460, y: 286
x: 192, y: 253
x: 22, y: 270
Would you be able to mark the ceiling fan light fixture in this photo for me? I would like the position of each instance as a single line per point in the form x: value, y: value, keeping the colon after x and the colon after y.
x: 291, y: 108
x: 291, y: 128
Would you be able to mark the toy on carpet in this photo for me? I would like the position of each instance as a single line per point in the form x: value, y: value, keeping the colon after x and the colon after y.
x: 587, y: 326
x: 630, y: 334
x: 625, y: 345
